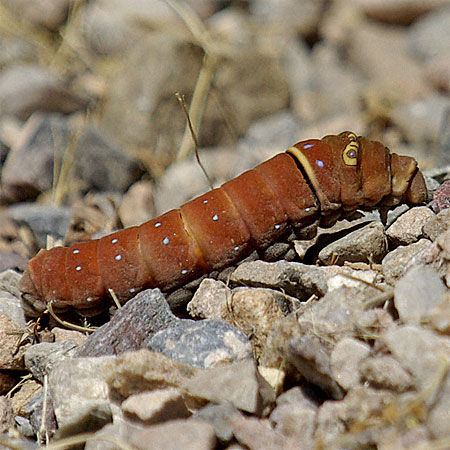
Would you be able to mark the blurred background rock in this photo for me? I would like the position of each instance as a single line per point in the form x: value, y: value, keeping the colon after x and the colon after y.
x: 88, y: 105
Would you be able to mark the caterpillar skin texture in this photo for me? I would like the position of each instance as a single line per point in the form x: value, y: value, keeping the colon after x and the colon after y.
x: 312, y: 180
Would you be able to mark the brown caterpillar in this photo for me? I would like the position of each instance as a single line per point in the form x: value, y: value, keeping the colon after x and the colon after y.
x: 312, y: 180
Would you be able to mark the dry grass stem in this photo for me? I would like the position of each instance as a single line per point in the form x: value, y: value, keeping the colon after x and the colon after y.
x: 114, y: 297
x: 66, y: 324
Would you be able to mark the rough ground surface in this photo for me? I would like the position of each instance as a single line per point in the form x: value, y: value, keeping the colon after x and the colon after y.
x: 340, y: 342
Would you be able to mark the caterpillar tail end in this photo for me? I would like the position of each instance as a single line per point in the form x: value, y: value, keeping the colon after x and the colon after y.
x: 32, y: 302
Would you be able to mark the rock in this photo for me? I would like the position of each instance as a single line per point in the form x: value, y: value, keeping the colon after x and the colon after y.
x: 408, y: 228
x: 156, y: 406
x: 34, y: 410
x: 439, y: 316
x: 419, y: 119
x: 296, y: 420
x: 29, y: 167
x: 63, y: 334
x: 419, y: 351
x: 24, y: 395
x: 11, y: 351
x: 209, y: 300
x: 144, y: 370
x: 296, y: 279
x: 381, y: 54
x: 437, y: 422
x: 312, y: 360
x: 132, y: 326
x: 434, y: 227
x: 80, y: 394
x: 385, y: 372
x: 141, y: 96
x: 345, y: 360
x: 369, y: 244
x: 137, y: 204
x: 50, y: 14
x: 257, y: 434
x: 42, y: 220
x: 441, y: 199
x: 41, y: 358
x: 6, y: 415
x: 416, y: 293
x: 428, y: 35
x: 10, y: 297
x: 238, y: 383
x: 254, y: 311
x: 176, y: 434
x: 394, y: 263
x: 219, y: 417
x: 26, y: 88
x: 203, y: 344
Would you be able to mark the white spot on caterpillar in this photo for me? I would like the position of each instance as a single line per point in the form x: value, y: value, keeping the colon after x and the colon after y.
x: 215, y: 217
x: 184, y: 272
x: 75, y: 251
x: 236, y: 248
x: 319, y: 163
x: 277, y: 226
x: 114, y: 241
x: 165, y: 241
x: 132, y: 290
x: 157, y: 224
x: 118, y: 257
x: 205, y: 201
x: 308, y: 146
x: 308, y: 209
x: 78, y: 268
x: 89, y: 299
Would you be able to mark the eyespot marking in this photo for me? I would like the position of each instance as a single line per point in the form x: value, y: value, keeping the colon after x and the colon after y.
x: 114, y: 241
x: 350, y: 153
x: 157, y: 224
x: 215, y: 217
x: 184, y: 272
x: 205, y: 201
x: 89, y: 299
x: 306, y: 146
x: 118, y: 257
x: 76, y: 251
x: 165, y: 241
x: 236, y: 248
x: 132, y: 290
x: 78, y: 268
x: 319, y: 163
x: 277, y: 226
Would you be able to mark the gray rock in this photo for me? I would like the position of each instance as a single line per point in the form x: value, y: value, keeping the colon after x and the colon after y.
x: 26, y: 88
x: 41, y: 358
x: 385, y: 372
x: 394, y: 262
x: 95, y: 159
x: 238, y: 383
x: 312, y: 360
x: 257, y: 434
x: 156, y: 406
x: 416, y: 293
x: 203, y: 344
x: 11, y: 355
x: 434, y: 227
x: 219, y: 417
x: 42, y: 220
x: 80, y: 394
x: 176, y: 434
x: 209, y: 300
x: 6, y: 415
x: 408, y: 228
x: 438, y: 422
x: 428, y: 36
x: 369, y: 244
x: 132, y: 327
x: 419, y: 351
x: 297, y: 421
x: 50, y: 14
x: 10, y: 304
x: 345, y: 359
x: 420, y: 119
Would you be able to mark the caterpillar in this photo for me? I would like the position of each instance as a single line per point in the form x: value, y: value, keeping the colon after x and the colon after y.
x: 310, y: 182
